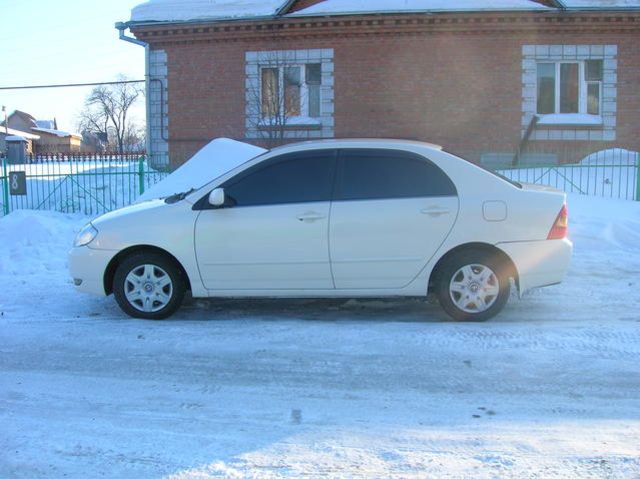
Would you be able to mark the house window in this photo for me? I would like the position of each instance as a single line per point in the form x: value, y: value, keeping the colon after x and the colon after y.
x: 291, y: 91
x: 569, y: 87
x: 289, y: 94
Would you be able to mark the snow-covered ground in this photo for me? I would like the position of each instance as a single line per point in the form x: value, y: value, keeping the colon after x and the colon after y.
x: 270, y: 389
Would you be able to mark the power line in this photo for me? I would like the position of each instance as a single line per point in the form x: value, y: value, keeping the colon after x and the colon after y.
x: 32, y: 87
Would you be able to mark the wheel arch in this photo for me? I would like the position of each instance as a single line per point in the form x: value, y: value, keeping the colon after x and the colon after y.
x: 110, y: 271
x: 483, y: 248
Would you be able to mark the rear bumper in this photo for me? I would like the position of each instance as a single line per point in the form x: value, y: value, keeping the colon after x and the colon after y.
x: 87, y: 267
x: 539, y: 263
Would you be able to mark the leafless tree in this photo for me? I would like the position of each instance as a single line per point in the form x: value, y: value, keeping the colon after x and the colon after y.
x: 273, y: 98
x: 134, y: 138
x: 107, y: 110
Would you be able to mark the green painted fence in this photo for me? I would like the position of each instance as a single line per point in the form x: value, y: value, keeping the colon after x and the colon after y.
x: 613, y: 173
x: 93, y: 185
x: 90, y: 185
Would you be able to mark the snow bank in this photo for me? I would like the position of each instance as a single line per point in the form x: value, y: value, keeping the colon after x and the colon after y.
x: 332, y: 7
x: 182, y: 11
x: 602, y: 225
x: 35, y: 242
x: 612, y: 156
x: 214, y: 160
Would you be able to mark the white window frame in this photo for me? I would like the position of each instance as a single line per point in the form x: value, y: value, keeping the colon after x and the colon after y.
x: 297, y: 128
x: 564, y: 126
x: 583, y: 85
x: 304, y: 88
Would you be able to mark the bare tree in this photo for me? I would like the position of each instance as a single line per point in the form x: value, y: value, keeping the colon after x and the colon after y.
x: 277, y: 93
x: 107, y: 110
x: 134, y: 138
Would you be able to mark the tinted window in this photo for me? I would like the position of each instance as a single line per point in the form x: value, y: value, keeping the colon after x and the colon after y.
x: 293, y: 178
x: 377, y: 174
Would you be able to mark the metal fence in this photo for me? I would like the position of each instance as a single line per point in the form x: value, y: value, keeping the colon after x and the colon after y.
x: 613, y: 173
x: 93, y: 185
x: 90, y: 185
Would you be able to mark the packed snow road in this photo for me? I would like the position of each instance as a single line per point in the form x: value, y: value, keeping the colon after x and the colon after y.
x: 550, y: 388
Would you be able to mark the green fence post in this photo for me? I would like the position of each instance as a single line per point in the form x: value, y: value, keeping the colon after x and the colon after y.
x: 141, y: 174
x: 637, y: 177
x: 5, y: 187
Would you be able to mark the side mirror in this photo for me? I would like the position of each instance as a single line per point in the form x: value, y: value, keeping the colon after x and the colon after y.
x: 217, y: 197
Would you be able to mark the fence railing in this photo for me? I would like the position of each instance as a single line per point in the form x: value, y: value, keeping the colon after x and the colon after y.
x: 95, y: 184
x: 90, y: 185
x: 613, y: 173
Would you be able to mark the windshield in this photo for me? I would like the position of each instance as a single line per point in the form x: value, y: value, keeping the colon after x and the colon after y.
x: 214, y: 160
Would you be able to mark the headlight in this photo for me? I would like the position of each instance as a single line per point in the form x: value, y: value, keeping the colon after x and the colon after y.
x: 85, y: 236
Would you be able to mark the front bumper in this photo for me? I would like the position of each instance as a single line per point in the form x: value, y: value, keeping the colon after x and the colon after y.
x: 87, y: 267
x: 539, y: 263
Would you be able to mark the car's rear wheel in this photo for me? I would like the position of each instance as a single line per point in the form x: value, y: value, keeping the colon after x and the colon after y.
x: 473, y: 286
x: 148, y: 286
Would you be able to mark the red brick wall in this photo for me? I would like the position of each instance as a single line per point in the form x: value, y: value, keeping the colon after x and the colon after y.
x: 461, y: 90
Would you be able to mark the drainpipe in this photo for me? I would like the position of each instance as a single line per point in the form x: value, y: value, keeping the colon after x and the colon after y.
x: 121, y: 27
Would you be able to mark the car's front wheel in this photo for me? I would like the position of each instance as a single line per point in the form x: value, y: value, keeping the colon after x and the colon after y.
x: 148, y: 286
x: 473, y: 286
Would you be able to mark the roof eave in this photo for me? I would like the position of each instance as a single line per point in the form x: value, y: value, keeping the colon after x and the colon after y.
x: 281, y: 14
x: 603, y: 10
x: 421, y: 12
x: 155, y: 23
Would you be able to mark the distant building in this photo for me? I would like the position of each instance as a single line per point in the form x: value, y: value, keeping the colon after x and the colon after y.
x: 29, y: 137
x: 45, y: 135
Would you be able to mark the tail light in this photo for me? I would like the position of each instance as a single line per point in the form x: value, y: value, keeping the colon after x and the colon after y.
x: 561, y: 225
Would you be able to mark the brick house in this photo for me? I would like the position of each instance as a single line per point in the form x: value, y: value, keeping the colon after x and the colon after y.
x: 474, y: 78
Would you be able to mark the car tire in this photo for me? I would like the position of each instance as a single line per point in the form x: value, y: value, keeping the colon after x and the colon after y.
x: 149, y: 286
x: 473, y: 286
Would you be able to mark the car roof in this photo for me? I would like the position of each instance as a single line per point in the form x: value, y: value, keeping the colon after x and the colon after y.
x: 355, y: 143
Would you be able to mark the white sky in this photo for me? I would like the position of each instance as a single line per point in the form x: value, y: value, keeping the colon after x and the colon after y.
x: 66, y: 41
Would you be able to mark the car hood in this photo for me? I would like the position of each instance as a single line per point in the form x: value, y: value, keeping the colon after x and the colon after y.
x: 134, y: 209
x: 214, y: 160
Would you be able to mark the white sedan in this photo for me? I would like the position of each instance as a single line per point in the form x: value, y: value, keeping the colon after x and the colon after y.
x: 334, y: 218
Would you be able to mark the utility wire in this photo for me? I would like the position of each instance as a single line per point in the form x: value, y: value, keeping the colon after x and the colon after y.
x: 32, y: 87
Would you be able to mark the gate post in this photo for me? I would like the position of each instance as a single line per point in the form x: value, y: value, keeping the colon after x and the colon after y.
x: 5, y: 187
x: 637, y: 176
x: 141, y: 174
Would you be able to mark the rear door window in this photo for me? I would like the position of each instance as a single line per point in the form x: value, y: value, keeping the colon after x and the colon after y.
x: 371, y: 174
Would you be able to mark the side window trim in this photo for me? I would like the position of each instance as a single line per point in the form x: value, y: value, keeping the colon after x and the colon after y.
x: 203, y: 203
x: 339, y: 176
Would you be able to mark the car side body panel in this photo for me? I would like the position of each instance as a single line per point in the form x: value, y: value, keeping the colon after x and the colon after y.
x: 384, y: 244
x: 488, y: 210
x: 168, y: 227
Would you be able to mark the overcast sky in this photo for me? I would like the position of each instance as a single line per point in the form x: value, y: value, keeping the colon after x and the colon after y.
x: 63, y: 41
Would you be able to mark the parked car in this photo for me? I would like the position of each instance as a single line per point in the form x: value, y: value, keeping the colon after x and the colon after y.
x: 333, y: 218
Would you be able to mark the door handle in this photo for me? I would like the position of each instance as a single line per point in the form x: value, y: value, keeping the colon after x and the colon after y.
x: 310, y: 217
x: 435, y: 211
